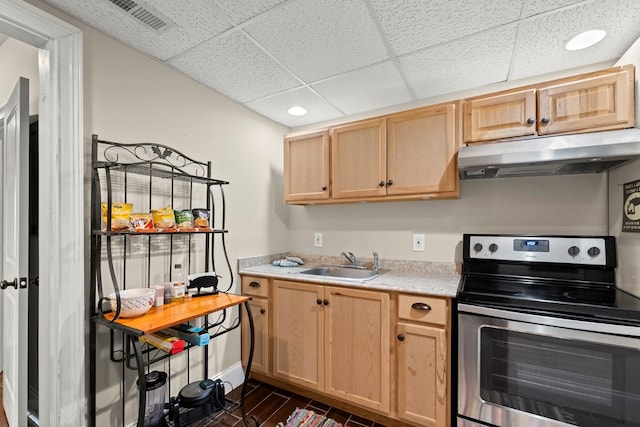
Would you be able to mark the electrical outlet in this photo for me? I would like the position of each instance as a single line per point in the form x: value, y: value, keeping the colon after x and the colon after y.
x: 317, y: 240
x: 418, y: 242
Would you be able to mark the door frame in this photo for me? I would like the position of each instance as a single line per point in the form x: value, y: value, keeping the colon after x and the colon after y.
x: 62, y: 319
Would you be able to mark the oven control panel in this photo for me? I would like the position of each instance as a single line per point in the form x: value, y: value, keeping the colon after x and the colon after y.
x: 558, y: 249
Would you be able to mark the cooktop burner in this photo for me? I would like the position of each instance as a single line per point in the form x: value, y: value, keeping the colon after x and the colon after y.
x: 567, y: 276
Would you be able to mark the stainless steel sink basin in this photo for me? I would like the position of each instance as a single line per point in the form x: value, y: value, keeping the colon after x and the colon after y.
x: 346, y: 273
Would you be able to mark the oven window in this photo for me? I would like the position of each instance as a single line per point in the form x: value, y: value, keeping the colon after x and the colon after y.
x: 576, y: 382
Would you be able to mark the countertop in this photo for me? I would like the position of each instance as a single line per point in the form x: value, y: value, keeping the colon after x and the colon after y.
x: 424, y: 278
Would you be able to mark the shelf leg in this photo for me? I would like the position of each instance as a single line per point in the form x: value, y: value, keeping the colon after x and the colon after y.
x: 142, y: 384
x: 247, y: 373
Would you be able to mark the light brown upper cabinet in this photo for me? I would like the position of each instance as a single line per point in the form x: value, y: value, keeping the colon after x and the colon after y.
x: 359, y: 154
x: 421, y: 151
x: 601, y: 100
x: 306, y: 166
x: 500, y: 116
x: 402, y: 156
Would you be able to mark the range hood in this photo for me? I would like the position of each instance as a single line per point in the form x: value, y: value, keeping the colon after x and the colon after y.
x: 553, y: 155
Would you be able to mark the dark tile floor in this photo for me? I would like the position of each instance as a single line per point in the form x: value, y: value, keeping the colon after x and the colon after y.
x: 272, y: 405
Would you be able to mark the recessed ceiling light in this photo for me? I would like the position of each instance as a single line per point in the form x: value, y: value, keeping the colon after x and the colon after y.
x: 585, y: 39
x: 297, y: 111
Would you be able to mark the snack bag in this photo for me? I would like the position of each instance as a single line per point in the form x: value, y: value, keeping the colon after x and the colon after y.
x: 164, y: 218
x: 142, y: 222
x: 119, y: 216
x: 201, y: 219
x: 184, y: 220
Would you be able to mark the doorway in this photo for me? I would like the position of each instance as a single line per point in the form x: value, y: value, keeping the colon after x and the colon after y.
x: 61, y: 321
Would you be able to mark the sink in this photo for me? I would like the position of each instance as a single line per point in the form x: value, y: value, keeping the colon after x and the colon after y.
x: 346, y: 273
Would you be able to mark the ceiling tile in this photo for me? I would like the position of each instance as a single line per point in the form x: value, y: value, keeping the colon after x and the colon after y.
x: 240, y: 11
x: 548, y: 34
x: 195, y: 24
x: 536, y: 7
x: 320, y: 39
x: 275, y: 107
x: 366, y: 89
x: 234, y: 66
x: 461, y: 64
x: 411, y: 25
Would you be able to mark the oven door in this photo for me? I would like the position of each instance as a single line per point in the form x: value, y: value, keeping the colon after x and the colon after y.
x: 518, y: 369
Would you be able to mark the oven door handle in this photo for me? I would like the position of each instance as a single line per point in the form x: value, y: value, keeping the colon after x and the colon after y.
x: 559, y: 322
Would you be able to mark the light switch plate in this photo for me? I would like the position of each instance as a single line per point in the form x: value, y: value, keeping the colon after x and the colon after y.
x: 317, y: 240
x: 418, y: 242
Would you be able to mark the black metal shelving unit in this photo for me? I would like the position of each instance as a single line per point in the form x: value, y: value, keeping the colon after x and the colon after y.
x: 150, y: 173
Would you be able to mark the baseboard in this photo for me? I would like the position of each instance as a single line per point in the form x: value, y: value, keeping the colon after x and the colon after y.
x: 231, y: 377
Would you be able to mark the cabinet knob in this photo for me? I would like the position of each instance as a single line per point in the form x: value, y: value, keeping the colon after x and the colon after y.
x: 381, y: 184
x: 390, y: 182
x: 6, y: 284
x: 421, y: 306
x: 324, y: 188
x: 531, y: 121
x: 263, y: 311
x: 400, y: 337
x: 325, y: 302
x: 545, y: 120
x: 254, y: 284
x: 319, y: 301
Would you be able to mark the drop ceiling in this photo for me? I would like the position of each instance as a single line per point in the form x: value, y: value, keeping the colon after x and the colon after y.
x: 339, y: 58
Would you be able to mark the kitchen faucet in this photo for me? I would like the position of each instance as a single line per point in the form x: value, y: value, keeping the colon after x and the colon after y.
x: 375, y: 261
x: 351, y: 257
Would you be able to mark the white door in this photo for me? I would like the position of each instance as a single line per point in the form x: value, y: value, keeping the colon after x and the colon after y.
x: 15, y: 250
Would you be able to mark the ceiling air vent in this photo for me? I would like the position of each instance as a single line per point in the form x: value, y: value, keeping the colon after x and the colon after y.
x: 145, y: 14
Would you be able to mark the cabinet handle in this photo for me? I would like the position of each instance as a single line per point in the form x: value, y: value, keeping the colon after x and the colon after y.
x: 254, y: 284
x: 263, y: 311
x: 319, y: 301
x: 390, y: 182
x: 400, y: 337
x: 421, y: 306
x: 545, y: 120
x: 381, y: 184
x: 531, y: 121
x: 324, y: 188
x: 325, y: 302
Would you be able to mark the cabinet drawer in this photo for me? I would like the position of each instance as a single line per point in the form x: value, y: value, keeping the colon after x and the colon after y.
x: 423, y: 309
x: 256, y: 286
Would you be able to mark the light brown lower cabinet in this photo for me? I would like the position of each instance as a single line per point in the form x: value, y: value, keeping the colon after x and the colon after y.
x: 258, y: 289
x: 333, y: 340
x: 338, y: 342
x: 422, y: 360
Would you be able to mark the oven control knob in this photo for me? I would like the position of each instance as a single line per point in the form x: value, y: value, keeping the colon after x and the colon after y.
x: 493, y: 247
x: 477, y: 247
x: 593, y: 251
x: 573, y: 250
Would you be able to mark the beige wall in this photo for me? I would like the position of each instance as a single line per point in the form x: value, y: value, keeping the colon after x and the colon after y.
x: 628, y: 244
x: 18, y: 59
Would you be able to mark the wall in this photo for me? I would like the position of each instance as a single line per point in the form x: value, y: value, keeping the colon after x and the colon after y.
x: 131, y: 98
x: 18, y: 59
x: 628, y: 243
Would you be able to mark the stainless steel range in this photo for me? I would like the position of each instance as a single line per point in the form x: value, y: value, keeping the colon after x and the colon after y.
x: 544, y: 336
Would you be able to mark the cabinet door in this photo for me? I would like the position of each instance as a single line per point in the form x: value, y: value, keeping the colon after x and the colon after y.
x: 422, y: 375
x: 298, y: 333
x: 260, y: 315
x: 422, y: 150
x: 357, y: 347
x: 500, y: 116
x: 598, y: 103
x: 358, y: 159
x: 306, y: 166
